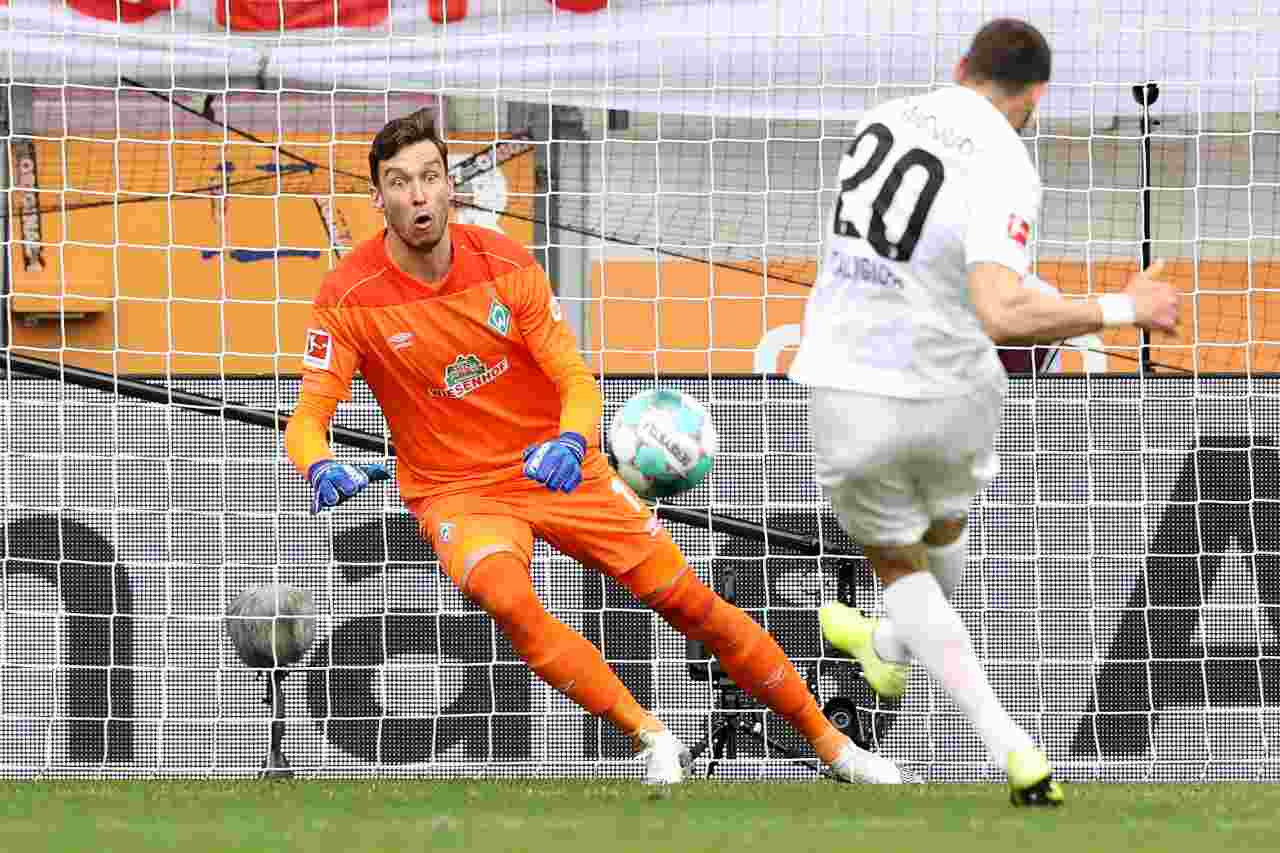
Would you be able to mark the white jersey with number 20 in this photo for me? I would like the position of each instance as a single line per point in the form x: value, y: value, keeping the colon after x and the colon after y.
x: 930, y: 186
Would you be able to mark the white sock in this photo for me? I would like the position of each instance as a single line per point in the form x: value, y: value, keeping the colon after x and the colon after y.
x: 931, y: 630
x: 947, y: 564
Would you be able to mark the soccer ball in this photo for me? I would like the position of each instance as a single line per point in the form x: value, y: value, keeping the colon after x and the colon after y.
x: 662, y: 443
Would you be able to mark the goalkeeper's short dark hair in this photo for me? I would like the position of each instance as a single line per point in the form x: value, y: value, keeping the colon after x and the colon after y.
x: 400, y: 133
x: 1010, y: 53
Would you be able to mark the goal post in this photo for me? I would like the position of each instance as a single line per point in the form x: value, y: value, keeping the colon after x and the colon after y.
x: 181, y: 181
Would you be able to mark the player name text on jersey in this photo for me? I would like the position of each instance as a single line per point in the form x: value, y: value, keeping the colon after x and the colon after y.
x: 855, y: 269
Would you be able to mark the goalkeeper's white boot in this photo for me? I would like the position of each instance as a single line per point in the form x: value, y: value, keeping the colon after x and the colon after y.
x: 666, y: 758
x: 853, y: 633
x: 1031, y: 780
x: 855, y: 764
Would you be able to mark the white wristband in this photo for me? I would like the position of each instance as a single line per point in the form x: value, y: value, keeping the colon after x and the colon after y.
x: 1118, y: 309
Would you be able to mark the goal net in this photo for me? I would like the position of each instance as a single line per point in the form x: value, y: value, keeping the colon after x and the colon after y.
x: 181, y: 179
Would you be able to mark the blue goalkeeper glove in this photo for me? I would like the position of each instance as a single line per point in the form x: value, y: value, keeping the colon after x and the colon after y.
x: 556, y: 464
x: 334, y: 482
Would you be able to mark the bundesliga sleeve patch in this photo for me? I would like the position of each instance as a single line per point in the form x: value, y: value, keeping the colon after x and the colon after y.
x: 319, y: 351
x: 1019, y: 230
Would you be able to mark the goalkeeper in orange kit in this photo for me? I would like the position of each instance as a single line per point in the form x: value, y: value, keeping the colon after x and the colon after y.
x: 495, y: 419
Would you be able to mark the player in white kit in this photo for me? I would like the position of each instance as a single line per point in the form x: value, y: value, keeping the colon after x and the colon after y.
x: 922, y: 272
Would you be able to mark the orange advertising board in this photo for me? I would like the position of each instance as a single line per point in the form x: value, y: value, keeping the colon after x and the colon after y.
x: 685, y: 316
x: 149, y: 255
x: 127, y: 277
x: 695, y: 318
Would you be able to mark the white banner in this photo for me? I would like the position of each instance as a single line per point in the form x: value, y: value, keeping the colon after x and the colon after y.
x: 757, y: 58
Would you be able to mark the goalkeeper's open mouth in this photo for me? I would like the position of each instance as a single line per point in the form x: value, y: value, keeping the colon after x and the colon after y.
x: 422, y: 220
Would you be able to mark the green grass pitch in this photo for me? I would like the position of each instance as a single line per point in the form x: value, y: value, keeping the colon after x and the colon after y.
x: 612, y: 817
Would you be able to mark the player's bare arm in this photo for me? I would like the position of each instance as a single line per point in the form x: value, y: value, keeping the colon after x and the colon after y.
x: 1014, y: 314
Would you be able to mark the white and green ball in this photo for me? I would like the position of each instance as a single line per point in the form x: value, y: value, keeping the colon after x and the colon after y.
x: 663, y: 442
x: 272, y: 625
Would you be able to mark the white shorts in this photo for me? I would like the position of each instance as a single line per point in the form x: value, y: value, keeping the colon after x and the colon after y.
x: 890, y: 466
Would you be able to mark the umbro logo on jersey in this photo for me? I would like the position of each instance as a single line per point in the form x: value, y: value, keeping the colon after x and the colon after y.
x: 499, y: 317
x: 400, y: 340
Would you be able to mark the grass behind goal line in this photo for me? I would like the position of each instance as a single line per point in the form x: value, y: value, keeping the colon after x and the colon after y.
x: 612, y: 817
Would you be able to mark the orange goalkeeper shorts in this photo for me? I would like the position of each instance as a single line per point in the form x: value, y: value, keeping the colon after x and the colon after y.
x: 601, y: 523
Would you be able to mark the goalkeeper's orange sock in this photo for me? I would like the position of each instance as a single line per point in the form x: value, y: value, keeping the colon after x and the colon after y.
x: 746, y: 651
x: 555, y: 652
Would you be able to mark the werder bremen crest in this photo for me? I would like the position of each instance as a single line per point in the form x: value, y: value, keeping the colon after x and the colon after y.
x: 467, y: 373
x: 499, y: 317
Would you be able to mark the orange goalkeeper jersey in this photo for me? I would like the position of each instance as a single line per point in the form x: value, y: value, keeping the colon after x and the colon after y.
x: 468, y: 371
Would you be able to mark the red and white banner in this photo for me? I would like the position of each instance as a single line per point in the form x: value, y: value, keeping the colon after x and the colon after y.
x: 758, y: 58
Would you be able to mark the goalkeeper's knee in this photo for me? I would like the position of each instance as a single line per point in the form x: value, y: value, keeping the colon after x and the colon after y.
x: 695, y: 610
x: 682, y: 599
x: 749, y: 656
x: 666, y: 582
x: 501, y: 586
x: 687, y: 604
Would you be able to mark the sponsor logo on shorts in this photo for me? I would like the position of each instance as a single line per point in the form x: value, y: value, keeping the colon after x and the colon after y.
x: 466, y: 374
x: 319, y: 350
x: 499, y: 317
